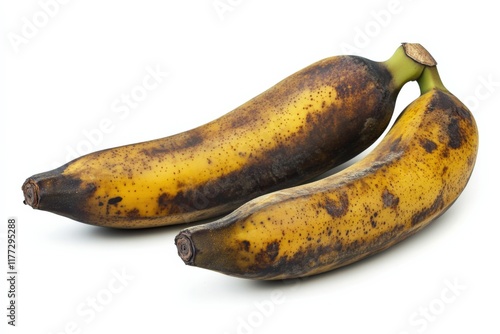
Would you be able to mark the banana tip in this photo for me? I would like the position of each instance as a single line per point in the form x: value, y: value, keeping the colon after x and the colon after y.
x: 31, y: 193
x: 185, y: 247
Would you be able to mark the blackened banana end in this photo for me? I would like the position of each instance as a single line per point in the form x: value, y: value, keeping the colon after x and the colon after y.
x: 185, y: 247
x: 31, y: 193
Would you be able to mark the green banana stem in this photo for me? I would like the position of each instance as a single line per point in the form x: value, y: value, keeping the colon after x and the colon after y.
x: 429, y: 80
x: 408, y: 62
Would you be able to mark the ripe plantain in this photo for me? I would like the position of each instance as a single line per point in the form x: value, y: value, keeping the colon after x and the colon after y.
x: 306, y: 124
x: 415, y: 173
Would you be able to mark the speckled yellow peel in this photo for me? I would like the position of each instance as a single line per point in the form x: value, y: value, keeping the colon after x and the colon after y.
x: 416, y: 172
x: 316, y: 119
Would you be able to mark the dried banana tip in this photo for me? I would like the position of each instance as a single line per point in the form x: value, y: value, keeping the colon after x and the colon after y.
x: 31, y: 193
x: 185, y: 247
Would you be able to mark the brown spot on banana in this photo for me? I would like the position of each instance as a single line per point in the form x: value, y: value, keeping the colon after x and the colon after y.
x: 337, y: 208
x: 454, y: 134
x: 114, y: 200
x: 245, y: 244
x: 423, y: 214
x: 389, y: 199
x: 375, y: 203
x: 133, y: 213
x: 268, y: 254
x: 428, y: 145
x: 310, y: 122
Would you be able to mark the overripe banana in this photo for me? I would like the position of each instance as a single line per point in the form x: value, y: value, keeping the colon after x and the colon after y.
x: 306, y: 124
x: 416, y: 172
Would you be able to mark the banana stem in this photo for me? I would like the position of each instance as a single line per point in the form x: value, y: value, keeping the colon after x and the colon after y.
x: 429, y: 80
x: 408, y: 62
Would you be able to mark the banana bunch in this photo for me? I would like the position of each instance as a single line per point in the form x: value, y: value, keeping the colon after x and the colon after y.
x: 310, y: 122
x: 414, y: 175
x: 249, y: 166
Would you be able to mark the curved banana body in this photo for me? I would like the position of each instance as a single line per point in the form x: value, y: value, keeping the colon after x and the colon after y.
x: 317, y: 118
x: 416, y: 172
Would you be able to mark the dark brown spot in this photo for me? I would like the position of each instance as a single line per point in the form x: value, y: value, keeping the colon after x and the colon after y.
x: 114, y: 200
x: 344, y: 89
x: 446, y: 101
x: 134, y: 213
x: 454, y: 134
x: 337, y: 246
x: 456, y: 112
x: 181, y: 202
x: 428, y: 145
x: 164, y: 200
x: 193, y: 140
x: 446, y: 152
x: 245, y: 245
x: 273, y: 250
x: 269, y: 254
x: 389, y: 199
x: 425, y: 213
x: 338, y: 208
x: 309, y: 118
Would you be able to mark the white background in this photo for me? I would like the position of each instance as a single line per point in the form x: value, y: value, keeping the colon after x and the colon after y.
x: 61, y: 84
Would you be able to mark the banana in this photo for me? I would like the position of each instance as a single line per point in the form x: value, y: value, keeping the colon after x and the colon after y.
x: 308, y: 123
x: 409, y: 179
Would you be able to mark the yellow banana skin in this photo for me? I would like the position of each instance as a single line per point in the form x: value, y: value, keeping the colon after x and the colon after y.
x: 306, y: 124
x: 416, y: 172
